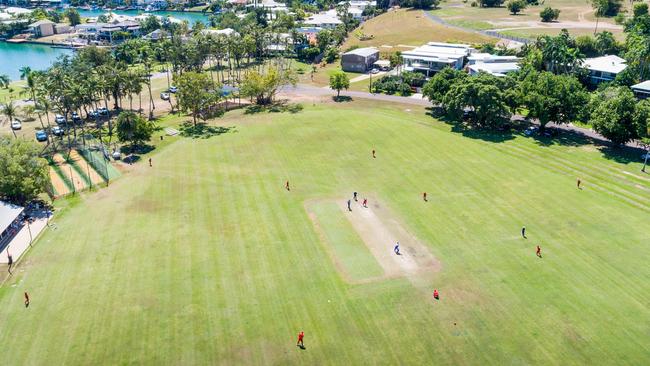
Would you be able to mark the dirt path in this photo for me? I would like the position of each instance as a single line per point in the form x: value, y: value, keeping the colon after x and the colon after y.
x: 380, y: 230
x: 61, y: 189
x: 87, y: 168
x: 67, y: 169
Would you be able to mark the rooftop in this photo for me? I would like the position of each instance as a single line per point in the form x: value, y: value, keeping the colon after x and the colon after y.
x: 438, y: 50
x: 41, y: 22
x: 8, y: 213
x: 364, y: 52
x: 642, y: 86
x: 608, y: 63
x: 495, y: 68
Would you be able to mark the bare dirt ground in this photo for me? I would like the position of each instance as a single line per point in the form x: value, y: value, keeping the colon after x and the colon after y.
x: 77, y: 180
x: 57, y: 182
x: 380, y: 230
x: 94, y: 176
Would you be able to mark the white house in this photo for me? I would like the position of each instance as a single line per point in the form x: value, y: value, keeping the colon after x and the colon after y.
x: 492, y: 64
x: 359, y: 4
x: 642, y: 90
x: 434, y: 56
x: 356, y: 13
x: 604, y: 68
x: 225, y: 32
x: 327, y: 20
x: 42, y: 28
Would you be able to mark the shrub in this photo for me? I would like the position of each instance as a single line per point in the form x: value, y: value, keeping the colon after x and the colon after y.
x: 549, y: 14
x: 516, y: 6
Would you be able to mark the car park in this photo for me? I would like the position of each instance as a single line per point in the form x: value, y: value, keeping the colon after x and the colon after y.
x: 41, y: 135
x: 164, y: 96
x: 16, y: 125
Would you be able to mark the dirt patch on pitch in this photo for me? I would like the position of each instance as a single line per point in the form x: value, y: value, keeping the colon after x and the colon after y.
x: 380, y: 230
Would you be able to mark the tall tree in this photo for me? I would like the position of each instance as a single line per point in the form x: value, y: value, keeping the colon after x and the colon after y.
x: 339, y: 80
x: 194, y: 93
x: 23, y: 173
x: 618, y: 116
x: 133, y: 128
x: 552, y: 98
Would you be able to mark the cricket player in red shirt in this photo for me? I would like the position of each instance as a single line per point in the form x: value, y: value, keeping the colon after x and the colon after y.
x: 301, y: 336
x: 435, y: 294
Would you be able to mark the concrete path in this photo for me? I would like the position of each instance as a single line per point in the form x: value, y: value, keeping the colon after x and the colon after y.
x: 20, y: 243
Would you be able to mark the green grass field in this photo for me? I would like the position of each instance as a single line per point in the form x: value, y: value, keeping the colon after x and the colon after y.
x: 206, y: 259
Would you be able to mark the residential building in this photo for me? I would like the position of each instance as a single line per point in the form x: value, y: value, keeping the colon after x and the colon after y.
x: 434, y: 56
x: 359, y: 4
x: 642, y: 90
x: 492, y: 64
x: 327, y: 20
x: 356, y: 13
x: 42, y: 28
x: 604, y: 68
x: 225, y: 32
x: 360, y: 59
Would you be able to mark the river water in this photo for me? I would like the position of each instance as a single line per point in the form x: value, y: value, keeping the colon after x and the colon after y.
x: 13, y: 56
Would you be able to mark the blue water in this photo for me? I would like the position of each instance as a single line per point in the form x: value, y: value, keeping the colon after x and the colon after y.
x: 180, y: 15
x: 13, y: 56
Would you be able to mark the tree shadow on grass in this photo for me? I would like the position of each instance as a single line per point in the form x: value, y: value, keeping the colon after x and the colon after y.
x: 138, y: 149
x: 552, y: 135
x: 278, y: 107
x: 342, y: 98
x: 202, y: 130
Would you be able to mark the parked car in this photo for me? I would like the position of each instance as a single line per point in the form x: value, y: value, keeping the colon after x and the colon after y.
x: 531, y: 130
x: 173, y: 89
x: 164, y: 96
x: 116, y: 155
x: 16, y: 125
x: 93, y: 114
x: 103, y: 111
x: 374, y: 71
x: 58, y: 131
x: 41, y: 135
x: 59, y: 119
x: 76, y: 118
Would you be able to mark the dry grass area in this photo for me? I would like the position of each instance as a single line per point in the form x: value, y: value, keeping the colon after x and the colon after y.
x: 406, y: 28
x: 576, y: 15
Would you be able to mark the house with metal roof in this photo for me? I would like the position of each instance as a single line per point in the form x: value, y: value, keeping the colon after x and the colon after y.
x: 604, y: 68
x: 359, y: 59
x: 642, y: 90
x: 434, y: 56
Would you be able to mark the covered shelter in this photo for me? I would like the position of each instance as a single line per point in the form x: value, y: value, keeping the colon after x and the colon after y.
x: 10, y: 216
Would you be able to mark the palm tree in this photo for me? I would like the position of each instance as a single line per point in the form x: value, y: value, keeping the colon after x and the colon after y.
x: 4, y: 81
x: 10, y: 111
x: 24, y: 71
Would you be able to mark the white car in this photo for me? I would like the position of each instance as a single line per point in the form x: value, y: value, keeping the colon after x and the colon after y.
x: 164, y: 96
x: 16, y: 125
x: 374, y: 71
x: 116, y: 155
